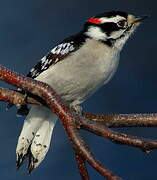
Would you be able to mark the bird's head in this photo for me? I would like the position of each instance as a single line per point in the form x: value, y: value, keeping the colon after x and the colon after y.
x: 113, y: 27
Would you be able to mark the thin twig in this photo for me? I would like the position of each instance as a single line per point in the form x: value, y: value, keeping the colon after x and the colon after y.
x: 145, y: 145
x: 82, y: 167
x: 124, y: 120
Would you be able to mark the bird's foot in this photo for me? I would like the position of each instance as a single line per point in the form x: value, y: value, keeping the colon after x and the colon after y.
x: 78, y: 109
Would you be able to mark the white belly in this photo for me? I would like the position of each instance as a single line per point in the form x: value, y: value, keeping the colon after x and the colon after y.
x: 82, y: 73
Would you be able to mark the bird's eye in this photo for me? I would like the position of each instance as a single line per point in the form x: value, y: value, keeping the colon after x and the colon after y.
x: 122, y: 23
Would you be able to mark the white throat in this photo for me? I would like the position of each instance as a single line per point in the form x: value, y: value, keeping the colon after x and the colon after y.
x: 119, y: 43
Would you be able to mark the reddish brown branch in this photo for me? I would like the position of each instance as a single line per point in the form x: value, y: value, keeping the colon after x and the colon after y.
x: 145, y: 145
x: 124, y: 120
x: 118, y: 120
x: 71, y: 121
x: 82, y: 167
x: 15, y: 97
x: 109, y: 120
x: 67, y: 117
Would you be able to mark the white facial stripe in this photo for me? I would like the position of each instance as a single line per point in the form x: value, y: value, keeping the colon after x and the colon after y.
x: 112, y: 19
x: 96, y: 33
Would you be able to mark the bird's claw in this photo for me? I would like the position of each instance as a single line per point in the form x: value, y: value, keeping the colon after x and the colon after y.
x: 8, y: 106
x: 78, y: 109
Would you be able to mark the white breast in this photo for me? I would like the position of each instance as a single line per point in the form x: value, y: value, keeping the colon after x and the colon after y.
x: 83, y: 72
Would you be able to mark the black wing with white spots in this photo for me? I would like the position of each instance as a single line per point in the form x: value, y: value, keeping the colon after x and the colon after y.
x: 57, y: 54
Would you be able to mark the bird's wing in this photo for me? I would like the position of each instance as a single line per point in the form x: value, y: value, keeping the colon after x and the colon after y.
x: 57, y: 54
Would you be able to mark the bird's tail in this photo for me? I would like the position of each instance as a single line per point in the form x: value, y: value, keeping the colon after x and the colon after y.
x: 34, y: 140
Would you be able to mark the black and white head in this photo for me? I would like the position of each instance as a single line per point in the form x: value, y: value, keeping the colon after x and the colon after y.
x: 113, y: 27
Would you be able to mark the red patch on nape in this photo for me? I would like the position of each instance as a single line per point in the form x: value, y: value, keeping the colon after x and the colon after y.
x: 94, y: 21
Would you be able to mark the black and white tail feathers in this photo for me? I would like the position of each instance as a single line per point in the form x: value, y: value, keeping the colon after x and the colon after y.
x: 34, y: 140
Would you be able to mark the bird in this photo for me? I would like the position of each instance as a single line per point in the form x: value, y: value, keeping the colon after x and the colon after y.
x: 75, y: 69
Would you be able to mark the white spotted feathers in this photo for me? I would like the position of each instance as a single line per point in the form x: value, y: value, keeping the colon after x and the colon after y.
x: 63, y: 48
x: 56, y: 54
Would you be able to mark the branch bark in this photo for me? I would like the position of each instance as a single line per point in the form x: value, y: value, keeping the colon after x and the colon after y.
x: 82, y: 167
x: 108, y: 120
x: 124, y: 120
x: 96, y: 124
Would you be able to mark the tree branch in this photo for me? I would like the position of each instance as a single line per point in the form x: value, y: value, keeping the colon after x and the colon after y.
x: 82, y: 167
x: 124, y: 120
x: 145, y: 145
x: 72, y: 122
x: 15, y: 97
x: 109, y: 120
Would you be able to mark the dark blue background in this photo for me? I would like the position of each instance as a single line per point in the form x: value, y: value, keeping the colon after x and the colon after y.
x: 28, y: 30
